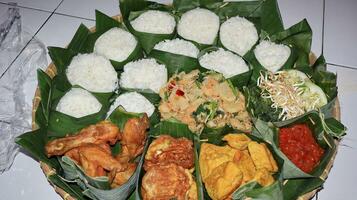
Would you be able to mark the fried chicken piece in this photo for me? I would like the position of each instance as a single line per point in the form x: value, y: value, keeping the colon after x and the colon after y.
x: 103, y: 132
x: 95, y: 160
x: 134, y: 136
x: 119, y: 178
x: 164, y: 182
x: 166, y: 149
x: 74, y: 153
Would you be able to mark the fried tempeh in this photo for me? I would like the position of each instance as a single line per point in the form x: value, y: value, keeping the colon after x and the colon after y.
x: 262, y: 157
x: 237, y: 141
x: 103, y: 132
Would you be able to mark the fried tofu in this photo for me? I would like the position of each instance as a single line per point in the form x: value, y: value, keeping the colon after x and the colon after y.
x: 223, y: 180
x: 262, y: 157
x: 246, y: 165
x: 211, y: 156
x: 263, y: 177
x: 237, y: 141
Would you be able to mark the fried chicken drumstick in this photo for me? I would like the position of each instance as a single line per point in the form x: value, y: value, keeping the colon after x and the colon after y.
x: 103, y: 132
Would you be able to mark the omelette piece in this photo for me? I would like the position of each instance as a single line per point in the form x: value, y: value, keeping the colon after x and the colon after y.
x: 166, y: 149
x: 102, y: 132
x: 211, y: 156
x: 260, y: 156
x: 223, y: 180
x: 263, y: 177
x: 245, y: 164
x: 168, y: 182
x: 237, y: 141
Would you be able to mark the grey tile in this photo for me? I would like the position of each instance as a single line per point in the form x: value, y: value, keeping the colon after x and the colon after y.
x: 293, y: 11
x: 340, y: 32
x: 341, y: 181
x: 48, y: 5
x: 86, y: 8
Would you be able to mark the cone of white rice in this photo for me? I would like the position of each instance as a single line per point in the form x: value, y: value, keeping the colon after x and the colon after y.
x: 238, y: 35
x: 199, y: 25
x: 133, y: 102
x: 115, y: 44
x: 154, y: 21
x: 93, y: 72
x: 144, y: 74
x: 272, y: 56
x: 78, y: 103
x: 224, y: 62
x: 178, y: 46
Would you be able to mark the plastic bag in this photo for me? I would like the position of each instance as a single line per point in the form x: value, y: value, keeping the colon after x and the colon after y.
x: 18, y: 65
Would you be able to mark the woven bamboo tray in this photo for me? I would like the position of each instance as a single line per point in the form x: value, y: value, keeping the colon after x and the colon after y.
x: 51, y: 71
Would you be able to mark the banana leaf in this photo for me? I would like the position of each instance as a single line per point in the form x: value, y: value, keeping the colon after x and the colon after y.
x: 254, y: 191
x: 175, y: 129
x: 185, y: 5
x: 269, y: 132
x: 60, y: 124
x: 119, y: 117
x: 133, y: 9
x: 45, y: 87
x: 175, y: 63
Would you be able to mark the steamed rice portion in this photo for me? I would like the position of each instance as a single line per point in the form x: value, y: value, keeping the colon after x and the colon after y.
x: 154, y: 21
x: 92, y: 72
x: 199, y: 25
x: 115, y: 44
x: 178, y: 46
x: 272, y: 56
x: 78, y: 103
x: 238, y: 35
x: 144, y: 74
x: 133, y: 102
x: 225, y: 62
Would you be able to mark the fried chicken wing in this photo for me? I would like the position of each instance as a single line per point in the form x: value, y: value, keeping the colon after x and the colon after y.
x: 164, y: 182
x: 166, y: 149
x: 134, y: 137
x: 103, y: 132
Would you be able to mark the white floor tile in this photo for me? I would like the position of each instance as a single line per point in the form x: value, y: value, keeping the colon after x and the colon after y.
x: 293, y: 11
x: 59, y: 30
x: 86, y: 8
x: 31, y: 22
x: 341, y: 181
x: 340, y: 32
x: 25, y: 180
x: 48, y: 5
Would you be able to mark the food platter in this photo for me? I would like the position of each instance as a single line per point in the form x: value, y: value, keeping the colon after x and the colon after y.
x: 333, y: 133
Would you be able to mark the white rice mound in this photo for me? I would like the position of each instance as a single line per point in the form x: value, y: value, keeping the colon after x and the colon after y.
x: 154, y: 21
x: 144, y: 74
x: 78, y: 103
x: 115, y: 44
x: 178, y: 46
x: 238, y: 35
x: 92, y: 72
x: 225, y: 62
x: 199, y: 25
x: 272, y: 56
x: 133, y: 102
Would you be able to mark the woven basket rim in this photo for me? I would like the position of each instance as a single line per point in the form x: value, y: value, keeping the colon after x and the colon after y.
x: 48, y: 171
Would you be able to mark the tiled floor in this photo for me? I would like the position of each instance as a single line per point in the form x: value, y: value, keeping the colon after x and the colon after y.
x: 333, y: 23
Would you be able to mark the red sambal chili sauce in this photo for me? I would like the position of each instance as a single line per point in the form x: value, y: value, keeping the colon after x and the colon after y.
x: 299, y: 145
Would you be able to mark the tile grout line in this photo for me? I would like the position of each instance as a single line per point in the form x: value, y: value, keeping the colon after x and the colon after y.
x: 46, y: 11
x: 323, y: 27
x: 342, y: 66
x: 31, y: 39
